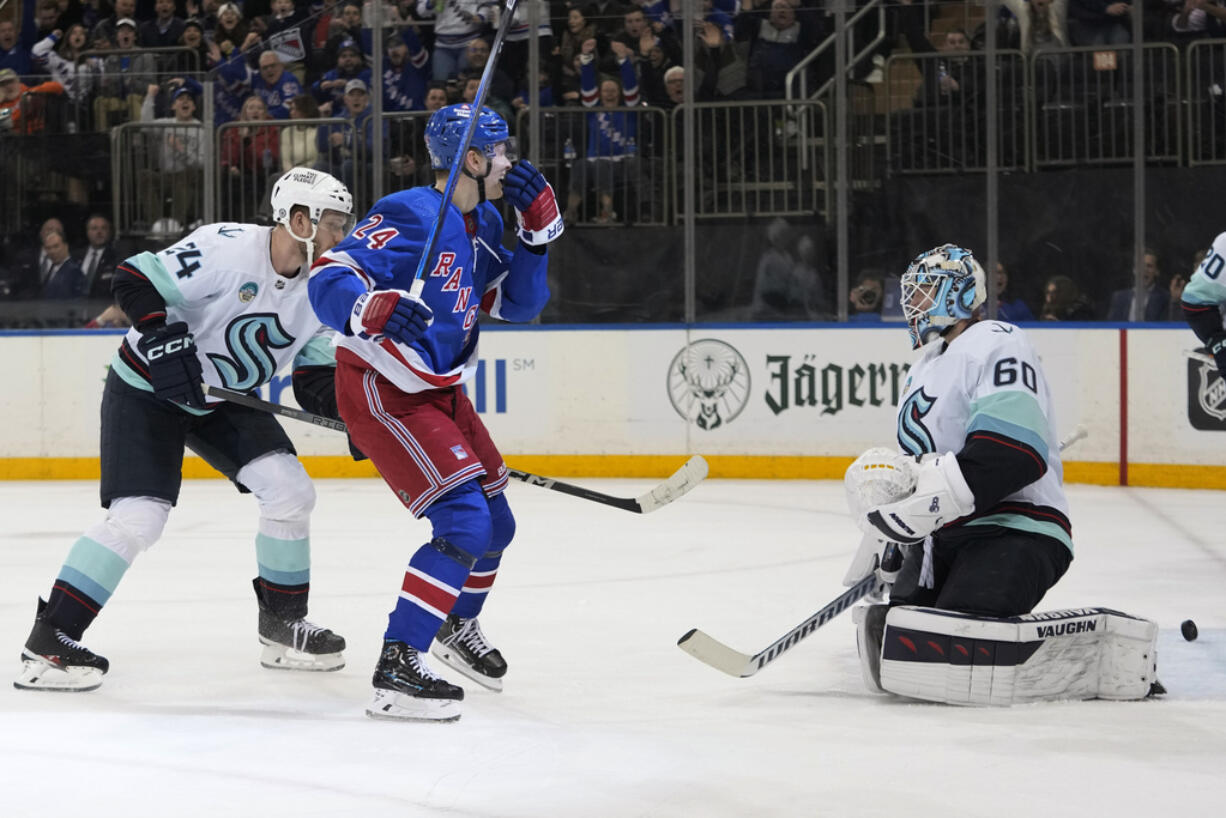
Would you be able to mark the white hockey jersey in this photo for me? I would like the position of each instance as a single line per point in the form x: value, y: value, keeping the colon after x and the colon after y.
x: 1206, y: 286
x: 989, y: 383
x: 248, y: 321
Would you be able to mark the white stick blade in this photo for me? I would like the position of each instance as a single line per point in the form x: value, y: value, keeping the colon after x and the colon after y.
x: 716, y: 654
x: 1075, y: 435
x: 685, y: 478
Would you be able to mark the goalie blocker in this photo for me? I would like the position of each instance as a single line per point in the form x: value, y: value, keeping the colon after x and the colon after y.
x: 955, y: 658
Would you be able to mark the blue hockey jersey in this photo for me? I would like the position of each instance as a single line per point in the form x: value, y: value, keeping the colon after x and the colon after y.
x: 469, y: 269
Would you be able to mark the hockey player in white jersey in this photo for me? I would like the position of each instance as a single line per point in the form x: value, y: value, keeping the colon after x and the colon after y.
x: 975, y: 502
x: 1202, y: 302
x: 227, y: 305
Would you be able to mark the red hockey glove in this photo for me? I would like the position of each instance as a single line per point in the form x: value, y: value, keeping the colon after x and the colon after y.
x: 536, y: 207
x: 392, y: 313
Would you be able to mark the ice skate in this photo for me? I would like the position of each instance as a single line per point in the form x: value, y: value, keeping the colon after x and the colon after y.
x: 52, y: 660
x: 296, y: 644
x: 461, y: 645
x: 407, y: 689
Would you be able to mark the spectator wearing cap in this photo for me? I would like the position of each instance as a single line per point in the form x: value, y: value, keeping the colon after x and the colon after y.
x: 407, y: 72
x: 172, y: 188
x: 108, y: 28
x: 121, y: 89
x: 206, y: 55
x: 164, y: 29
x: 458, y: 23
x: 344, y: 149
x: 329, y: 90
x: 11, y: 91
x: 232, y: 33
x: 13, y: 54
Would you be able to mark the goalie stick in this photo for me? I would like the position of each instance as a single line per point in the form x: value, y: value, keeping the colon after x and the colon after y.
x: 693, y: 472
x: 709, y: 650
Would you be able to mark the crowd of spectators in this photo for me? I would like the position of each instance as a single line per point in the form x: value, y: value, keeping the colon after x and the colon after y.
x: 273, y: 62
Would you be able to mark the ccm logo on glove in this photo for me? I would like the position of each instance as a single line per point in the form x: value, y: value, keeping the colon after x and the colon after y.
x: 170, y: 347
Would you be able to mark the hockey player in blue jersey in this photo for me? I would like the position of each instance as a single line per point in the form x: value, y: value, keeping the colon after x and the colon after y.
x: 226, y: 305
x: 401, y: 363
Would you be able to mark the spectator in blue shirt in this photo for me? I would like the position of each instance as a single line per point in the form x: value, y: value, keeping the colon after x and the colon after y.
x: 275, y: 85
x: 1009, y: 308
x: 329, y: 90
x: 406, y: 74
x: 12, y: 53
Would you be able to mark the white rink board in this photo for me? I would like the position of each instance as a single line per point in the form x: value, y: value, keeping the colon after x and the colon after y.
x: 549, y: 391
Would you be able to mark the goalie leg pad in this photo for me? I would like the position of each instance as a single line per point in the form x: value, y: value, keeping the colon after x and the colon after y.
x: 955, y: 658
x: 870, y: 625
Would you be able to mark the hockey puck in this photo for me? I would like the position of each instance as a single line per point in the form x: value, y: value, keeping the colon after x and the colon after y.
x: 1188, y: 629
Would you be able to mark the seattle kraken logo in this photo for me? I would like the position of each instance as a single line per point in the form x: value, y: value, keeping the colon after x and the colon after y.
x: 913, y: 435
x: 251, y: 339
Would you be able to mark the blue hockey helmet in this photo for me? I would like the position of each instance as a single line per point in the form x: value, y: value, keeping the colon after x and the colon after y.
x: 445, y: 132
x: 941, y: 287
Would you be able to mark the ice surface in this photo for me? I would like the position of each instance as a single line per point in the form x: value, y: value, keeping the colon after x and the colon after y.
x: 602, y: 715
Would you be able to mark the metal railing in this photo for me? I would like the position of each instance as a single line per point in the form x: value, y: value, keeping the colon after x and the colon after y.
x: 942, y: 127
x: 1082, y: 105
x: 249, y: 161
x: 158, y: 174
x: 1205, y: 72
x: 755, y: 159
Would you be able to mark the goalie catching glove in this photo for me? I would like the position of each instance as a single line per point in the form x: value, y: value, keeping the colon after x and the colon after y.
x: 174, y: 369
x: 941, y: 495
x: 536, y: 208
x: 394, y: 314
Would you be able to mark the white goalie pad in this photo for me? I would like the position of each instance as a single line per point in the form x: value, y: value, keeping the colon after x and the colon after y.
x: 877, y: 477
x: 1081, y: 653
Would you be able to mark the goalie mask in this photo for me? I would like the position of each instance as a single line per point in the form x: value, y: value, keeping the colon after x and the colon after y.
x: 941, y: 287
x: 316, y: 191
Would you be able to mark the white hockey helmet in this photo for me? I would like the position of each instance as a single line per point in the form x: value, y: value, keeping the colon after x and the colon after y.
x: 316, y: 191
x: 313, y: 189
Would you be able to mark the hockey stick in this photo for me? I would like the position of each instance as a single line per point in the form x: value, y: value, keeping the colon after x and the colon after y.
x: 457, y: 162
x: 681, y: 481
x: 678, y: 483
x: 711, y: 651
x: 715, y: 653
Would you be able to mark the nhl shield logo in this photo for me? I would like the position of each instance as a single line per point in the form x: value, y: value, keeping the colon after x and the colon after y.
x: 1206, y: 397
